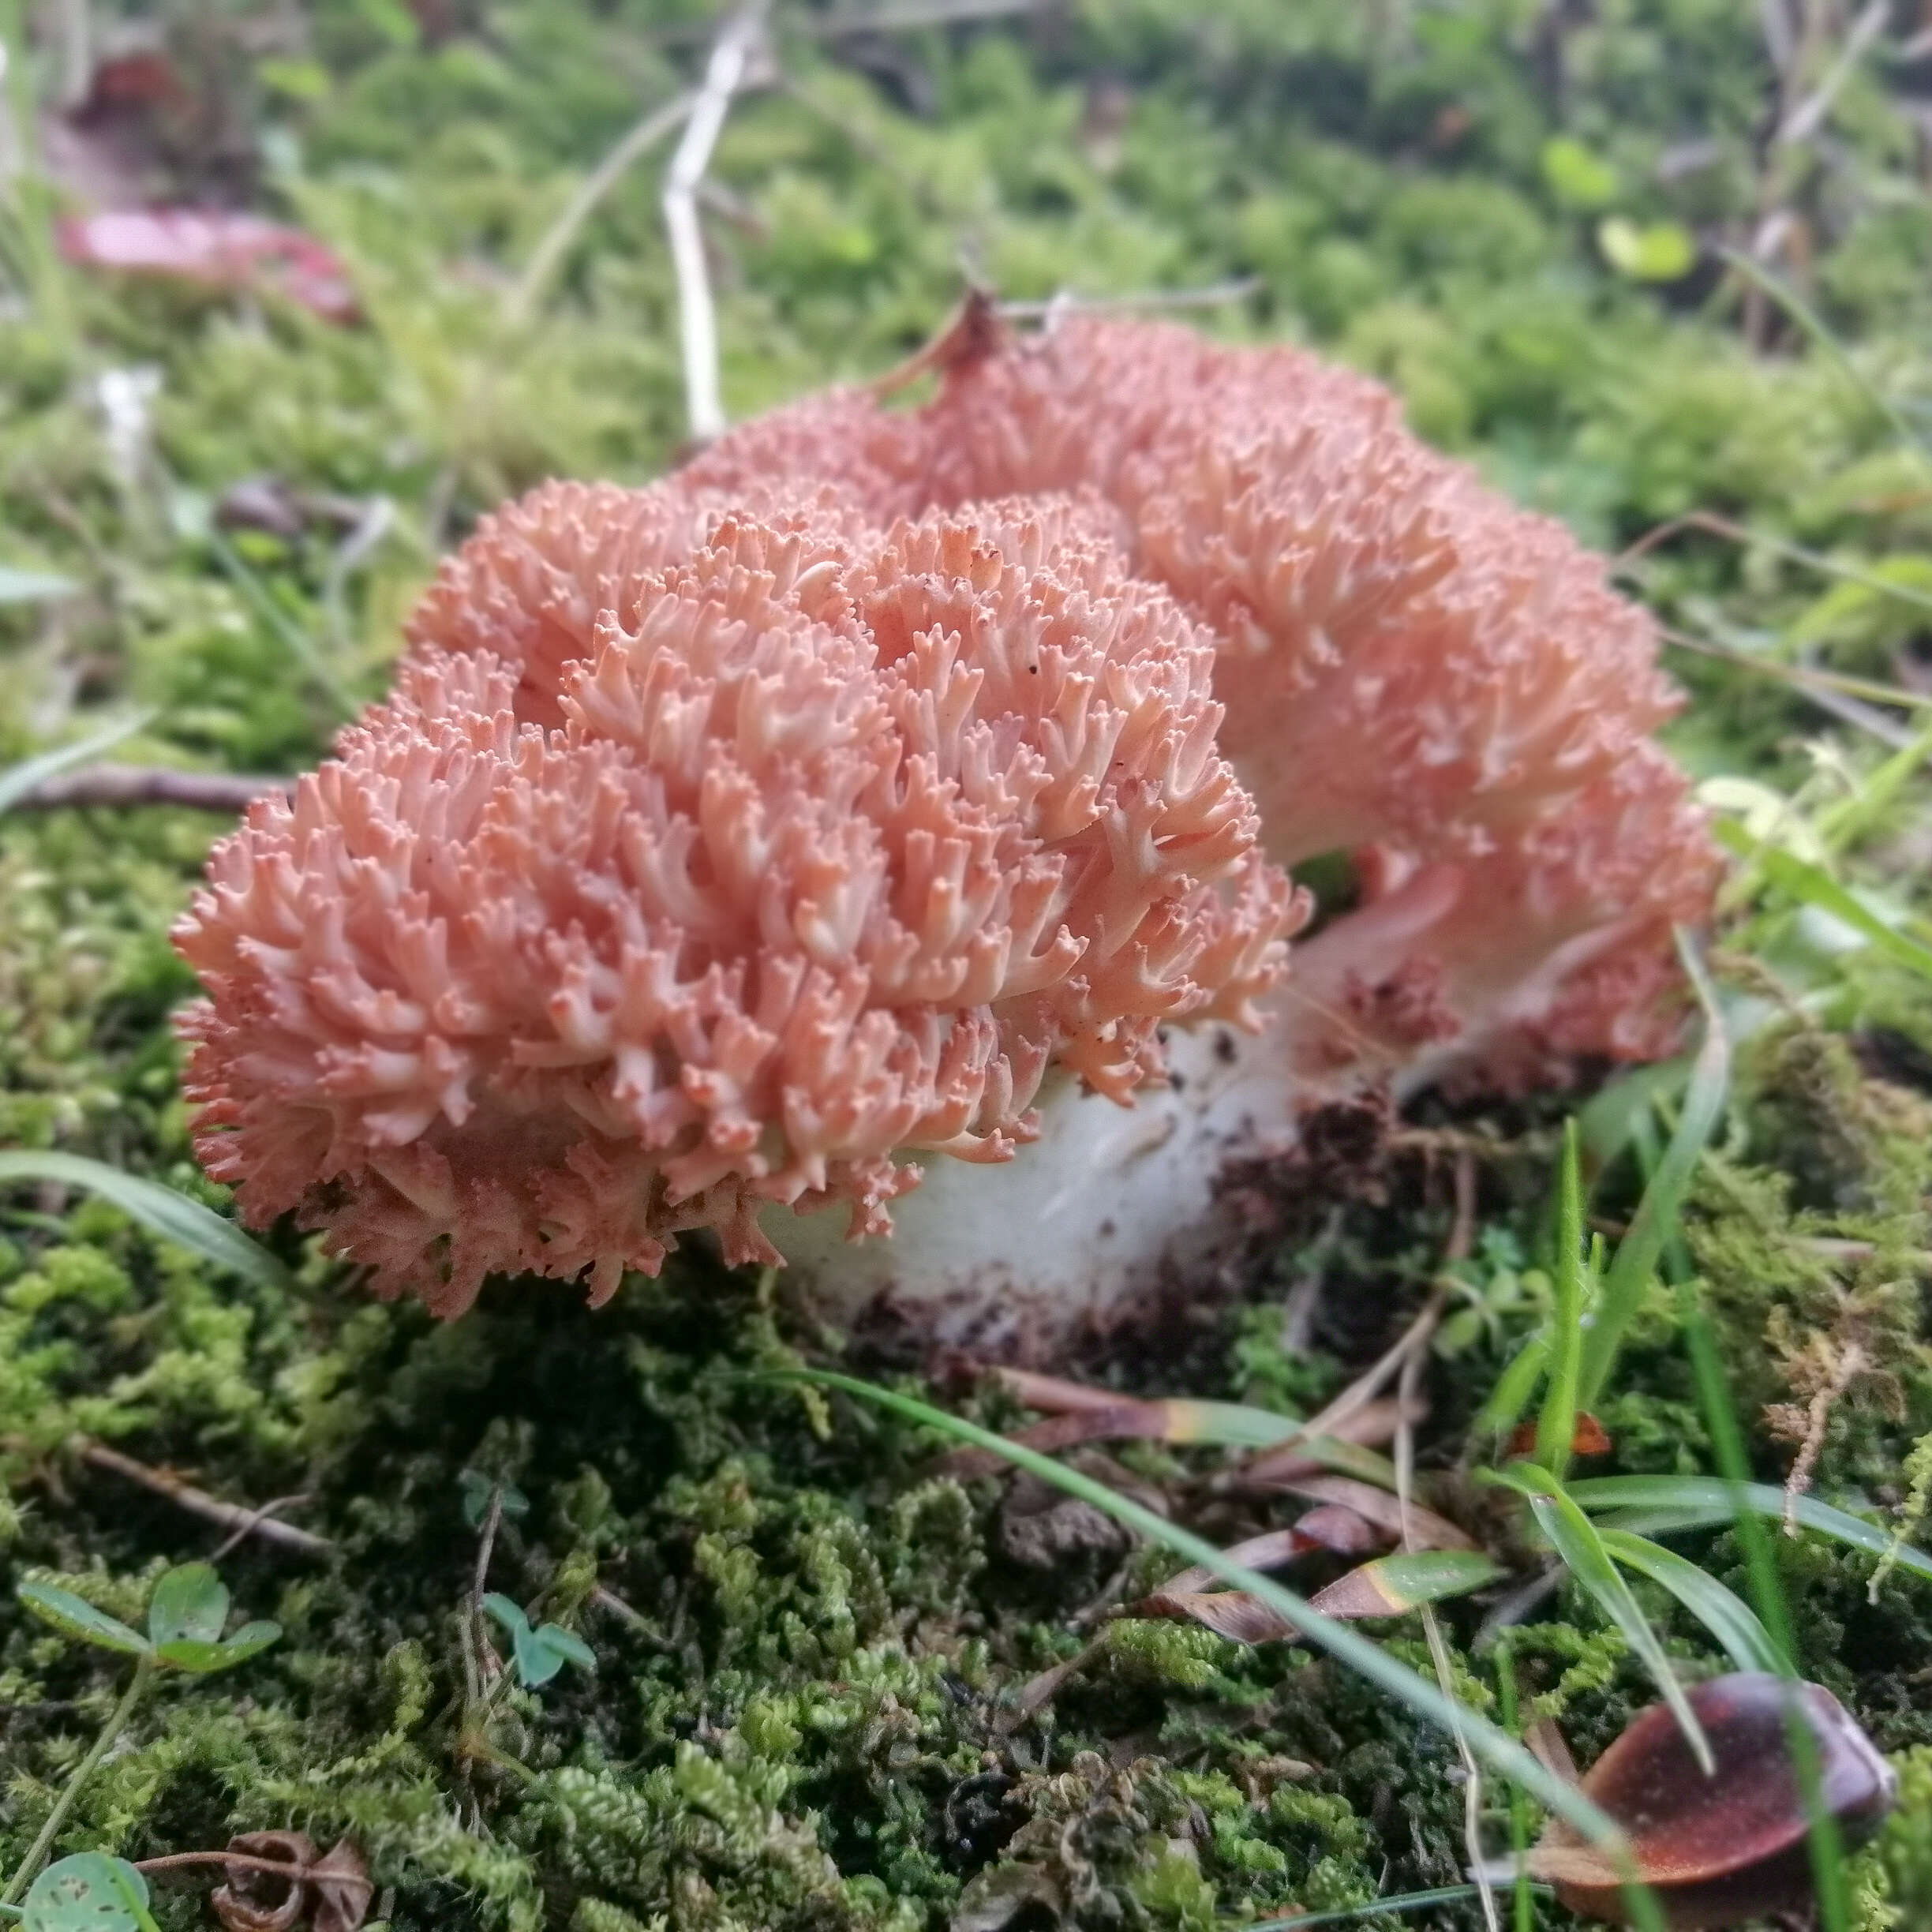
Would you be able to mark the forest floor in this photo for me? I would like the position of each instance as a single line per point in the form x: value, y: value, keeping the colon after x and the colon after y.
x: 814, y: 1695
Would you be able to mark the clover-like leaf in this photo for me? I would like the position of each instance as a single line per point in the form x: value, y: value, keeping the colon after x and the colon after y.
x: 201, y: 1658
x: 539, y: 1654
x: 190, y: 1601
x: 74, y: 1616
x: 476, y: 1490
x: 89, y: 1892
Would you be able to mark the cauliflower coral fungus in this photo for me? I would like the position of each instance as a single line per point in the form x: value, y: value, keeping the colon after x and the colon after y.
x: 896, y: 783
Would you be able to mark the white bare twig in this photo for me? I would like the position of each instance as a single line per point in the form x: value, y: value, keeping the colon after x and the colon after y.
x: 724, y: 74
x: 230, y: 1516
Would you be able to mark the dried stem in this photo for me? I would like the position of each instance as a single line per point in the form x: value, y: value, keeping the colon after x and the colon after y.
x: 116, y: 1722
x: 231, y: 1516
x: 1213, y: 295
x: 119, y: 786
x: 724, y: 74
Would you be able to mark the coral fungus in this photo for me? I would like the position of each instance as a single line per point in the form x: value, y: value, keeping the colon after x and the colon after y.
x: 860, y: 793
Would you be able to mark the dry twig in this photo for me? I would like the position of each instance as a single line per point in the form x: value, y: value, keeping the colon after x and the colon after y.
x: 231, y: 1516
x: 725, y: 73
x: 122, y: 785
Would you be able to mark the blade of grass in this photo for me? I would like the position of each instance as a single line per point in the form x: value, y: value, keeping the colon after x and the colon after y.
x: 1574, y: 1538
x: 1519, y: 1815
x: 1347, y: 1647
x: 17, y: 780
x: 1698, y: 1501
x: 160, y: 1209
x: 1825, y: 1841
x: 1657, y: 1213
x: 1556, y: 1419
x: 1814, y: 326
x: 1730, y: 1620
x: 1812, y: 885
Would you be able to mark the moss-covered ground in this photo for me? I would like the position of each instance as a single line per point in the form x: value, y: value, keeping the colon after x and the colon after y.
x: 809, y: 1645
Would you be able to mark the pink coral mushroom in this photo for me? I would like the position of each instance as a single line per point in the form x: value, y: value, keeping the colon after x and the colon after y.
x: 858, y: 794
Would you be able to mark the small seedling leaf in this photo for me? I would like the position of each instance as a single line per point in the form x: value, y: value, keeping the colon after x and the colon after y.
x: 190, y: 1601
x: 89, y: 1892
x: 202, y: 1659
x: 1392, y: 1585
x: 160, y: 1209
x: 476, y: 1490
x: 569, y: 1647
x: 507, y: 1613
x: 73, y: 1616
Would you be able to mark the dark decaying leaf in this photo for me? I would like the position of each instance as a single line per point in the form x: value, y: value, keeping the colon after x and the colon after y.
x: 215, y: 247
x: 327, y: 1894
x: 1340, y: 1530
x: 1731, y: 1848
x: 1425, y: 1530
x: 254, y: 1900
x: 1233, y: 1614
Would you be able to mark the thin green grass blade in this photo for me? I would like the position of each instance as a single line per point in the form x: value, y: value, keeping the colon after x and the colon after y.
x: 1575, y: 1539
x: 1519, y: 1815
x: 157, y: 1208
x: 1725, y: 1615
x: 1702, y: 1501
x: 1657, y: 1213
x: 1556, y: 1420
x: 1812, y: 886
x: 1815, y: 326
x: 17, y: 780
x: 1514, y: 1387
x: 1348, y: 1648
x: 1825, y: 1841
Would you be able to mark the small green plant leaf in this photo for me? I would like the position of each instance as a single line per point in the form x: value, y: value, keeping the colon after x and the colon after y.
x: 159, y: 1209
x: 27, y: 586
x: 506, y: 1612
x: 89, y: 1892
x: 1648, y: 252
x: 201, y: 1658
x: 476, y: 1490
x: 1574, y: 1538
x: 1703, y: 1502
x: 190, y: 1601
x: 539, y: 1654
x: 1580, y: 178
x: 1720, y: 1610
x: 1393, y: 1586
x: 73, y: 1616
